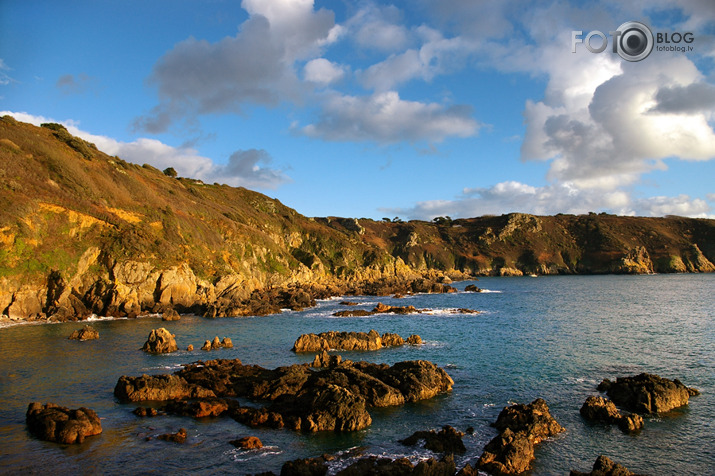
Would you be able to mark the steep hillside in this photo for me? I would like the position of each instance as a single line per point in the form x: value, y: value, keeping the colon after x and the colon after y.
x: 83, y: 232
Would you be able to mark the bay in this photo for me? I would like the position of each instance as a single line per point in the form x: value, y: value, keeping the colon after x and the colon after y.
x: 553, y: 337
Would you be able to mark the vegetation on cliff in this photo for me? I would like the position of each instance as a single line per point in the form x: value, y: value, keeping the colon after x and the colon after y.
x: 83, y: 232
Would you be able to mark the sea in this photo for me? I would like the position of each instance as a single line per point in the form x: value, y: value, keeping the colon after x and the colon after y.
x: 554, y: 337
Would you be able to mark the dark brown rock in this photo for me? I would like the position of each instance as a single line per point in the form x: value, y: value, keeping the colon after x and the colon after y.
x: 52, y: 422
x: 599, y: 409
x: 604, y: 466
x: 471, y: 288
x: 86, y: 333
x: 414, y: 339
x: 199, y: 408
x: 447, y: 440
x: 647, y: 393
x: 170, y: 315
x: 215, y: 344
x: 305, y: 467
x: 178, y: 437
x: 145, y: 412
x: 521, y: 427
x: 157, y: 387
x: 247, y: 443
x: 326, y: 360
x: 160, y: 341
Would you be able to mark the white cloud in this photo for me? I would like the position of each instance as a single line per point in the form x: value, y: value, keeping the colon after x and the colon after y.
x: 244, y: 168
x: 385, y: 118
x: 256, y: 66
x: 322, y: 71
x: 514, y: 196
x: 379, y: 27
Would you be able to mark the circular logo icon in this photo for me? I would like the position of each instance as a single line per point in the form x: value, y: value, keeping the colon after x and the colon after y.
x: 635, y: 41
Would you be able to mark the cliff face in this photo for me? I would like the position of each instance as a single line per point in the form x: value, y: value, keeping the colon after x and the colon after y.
x: 82, y: 232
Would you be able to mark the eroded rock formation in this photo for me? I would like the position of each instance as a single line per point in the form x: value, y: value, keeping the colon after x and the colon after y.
x: 647, y: 393
x: 51, y: 422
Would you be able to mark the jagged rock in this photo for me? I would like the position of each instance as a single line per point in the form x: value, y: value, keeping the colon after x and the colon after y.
x: 647, y: 393
x: 521, y: 427
x: 160, y: 341
x: 86, y: 333
x: 247, y: 443
x: 216, y: 344
x: 334, y: 398
x: 414, y: 339
x: 604, y: 466
x: 346, y: 341
x: 190, y: 348
x: 305, y: 467
x: 52, y: 422
x: 353, y: 313
x: 157, y: 387
x: 601, y: 410
x: 373, y: 465
x: 178, y: 437
x: 348, y: 303
x: 326, y: 360
x: 447, y: 440
x: 472, y: 288
x: 170, y: 315
x: 226, y: 343
x: 199, y: 408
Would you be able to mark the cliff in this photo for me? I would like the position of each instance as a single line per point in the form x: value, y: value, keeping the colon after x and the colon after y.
x: 82, y: 232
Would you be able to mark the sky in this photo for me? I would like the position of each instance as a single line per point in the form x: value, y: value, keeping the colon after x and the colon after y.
x: 411, y: 109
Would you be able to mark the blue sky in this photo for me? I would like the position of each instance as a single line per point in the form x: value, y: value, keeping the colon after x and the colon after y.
x: 376, y: 109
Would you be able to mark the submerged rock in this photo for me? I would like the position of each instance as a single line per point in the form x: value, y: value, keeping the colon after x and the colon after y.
x: 604, y: 466
x: 521, y: 427
x: 599, y: 409
x: 178, y: 437
x: 160, y: 341
x: 300, y: 398
x: 86, y: 333
x: 647, y: 393
x: 52, y: 422
x: 247, y: 443
x: 447, y: 440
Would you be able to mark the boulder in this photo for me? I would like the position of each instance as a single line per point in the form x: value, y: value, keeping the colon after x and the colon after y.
x: 190, y: 348
x: 601, y: 410
x: 178, y: 437
x: 170, y: 315
x: 86, y: 333
x: 157, y: 387
x: 521, y: 427
x: 145, y: 412
x: 160, y: 341
x: 305, y: 467
x: 199, y: 408
x: 447, y: 440
x: 414, y: 339
x: 326, y: 360
x: 217, y: 344
x: 247, y: 443
x: 346, y: 341
x: 647, y: 393
x: 604, y: 466
x: 52, y: 422
x: 471, y: 288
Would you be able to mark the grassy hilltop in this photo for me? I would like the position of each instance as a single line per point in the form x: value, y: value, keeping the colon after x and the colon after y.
x: 81, y: 231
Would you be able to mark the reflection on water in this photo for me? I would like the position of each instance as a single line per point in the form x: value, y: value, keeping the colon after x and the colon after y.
x: 553, y: 337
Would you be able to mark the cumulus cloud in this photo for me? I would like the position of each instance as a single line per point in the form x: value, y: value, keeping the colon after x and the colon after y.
x: 378, y: 27
x: 71, y: 84
x: 512, y: 196
x: 322, y: 71
x: 693, y: 98
x: 249, y: 168
x: 256, y: 66
x: 386, y: 118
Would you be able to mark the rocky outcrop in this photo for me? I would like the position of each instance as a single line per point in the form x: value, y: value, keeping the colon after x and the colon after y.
x: 604, y: 466
x: 226, y: 343
x: 210, y: 407
x: 248, y: 443
x: 334, y: 398
x: 170, y: 315
x: 86, y: 333
x: 380, y: 308
x: 520, y: 428
x: 446, y: 440
x: 350, y: 341
x: 326, y: 360
x: 599, y: 409
x: 52, y: 422
x: 472, y: 288
x: 647, y: 393
x: 385, y: 466
x: 160, y: 341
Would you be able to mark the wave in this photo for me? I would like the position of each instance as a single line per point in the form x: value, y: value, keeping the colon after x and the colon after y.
x: 240, y: 455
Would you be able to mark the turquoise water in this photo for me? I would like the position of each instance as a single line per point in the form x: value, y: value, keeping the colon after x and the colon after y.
x: 551, y: 337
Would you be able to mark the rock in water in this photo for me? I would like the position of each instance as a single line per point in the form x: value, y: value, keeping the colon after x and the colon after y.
x: 170, y: 315
x: 601, y: 410
x: 349, y: 341
x: 52, y: 422
x: 604, y: 466
x: 178, y: 437
x: 447, y: 440
x: 160, y: 341
x: 521, y: 427
x: 647, y: 393
x: 86, y: 333
x: 247, y: 443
